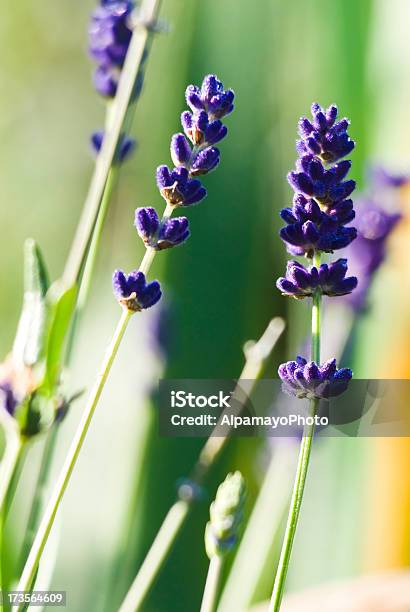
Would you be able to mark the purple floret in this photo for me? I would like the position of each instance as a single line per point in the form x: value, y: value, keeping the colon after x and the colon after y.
x: 160, y: 235
x: 301, y: 282
x: 308, y: 380
x: 322, y: 136
x: 211, y: 97
x: 177, y: 188
x: 133, y: 291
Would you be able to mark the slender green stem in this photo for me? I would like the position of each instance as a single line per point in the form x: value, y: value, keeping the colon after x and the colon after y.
x: 87, y: 275
x: 156, y: 556
x: 302, y: 467
x: 213, y: 581
x: 40, y: 491
x: 256, y: 354
x: 10, y: 461
x: 316, y: 307
x: 71, y: 459
x: 139, y: 43
x: 46, y: 523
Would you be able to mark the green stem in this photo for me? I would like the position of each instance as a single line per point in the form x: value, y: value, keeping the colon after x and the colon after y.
x: 47, y: 521
x: 213, y: 581
x: 11, y: 464
x: 302, y: 467
x: 44, y: 529
x: 39, y: 498
x: 256, y: 354
x: 86, y: 278
x: 156, y: 556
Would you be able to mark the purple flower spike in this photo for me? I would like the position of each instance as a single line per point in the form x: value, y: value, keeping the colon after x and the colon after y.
x: 177, y: 188
x: 127, y: 146
x: 330, y: 280
x: 312, y: 381
x: 205, y: 161
x: 133, y: 291
x: 109, y: 38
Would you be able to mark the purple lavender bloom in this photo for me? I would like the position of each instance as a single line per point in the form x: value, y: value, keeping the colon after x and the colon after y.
x: 205, y: 161
x: 147, y: 224
x: 180, y: 150
x: 211, y: 97
x: 323, y: 136
x: 109, y: 37
x: 157, y: 235
x: 326, y: 186
x: 308, y: 237
x: 309, y: 380
x: 127, y: 146
x: 133, y: 291
x: 8, y: 401
x: 301, y: 282
x: 173, y: 232
x: 177, y: 188
x: 321, y: 205
x: 200, y: 130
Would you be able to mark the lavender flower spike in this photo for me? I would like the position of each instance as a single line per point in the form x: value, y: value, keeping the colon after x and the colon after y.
x: 315, y: 224
x: 328, y: 279
x: 109, y: 37
x: 133, y: 291
x: 203, y: 128
x: 312, y: 381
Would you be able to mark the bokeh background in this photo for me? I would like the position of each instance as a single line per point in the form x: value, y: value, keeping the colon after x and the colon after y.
x: 279, y: 57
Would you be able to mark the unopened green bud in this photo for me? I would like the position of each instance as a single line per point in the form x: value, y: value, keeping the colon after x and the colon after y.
x: 226, y: 514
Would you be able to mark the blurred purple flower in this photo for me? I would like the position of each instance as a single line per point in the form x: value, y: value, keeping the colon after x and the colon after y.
x: 8, y: 401
x: 127, y: 146
x: 367, y: 253
x: 109, y: 37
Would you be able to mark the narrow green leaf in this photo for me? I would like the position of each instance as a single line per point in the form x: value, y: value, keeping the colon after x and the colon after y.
x: 29, y: 342
x: 62, y: 308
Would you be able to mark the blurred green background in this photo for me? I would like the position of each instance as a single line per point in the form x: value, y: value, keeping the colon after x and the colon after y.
x: 279, y: 57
